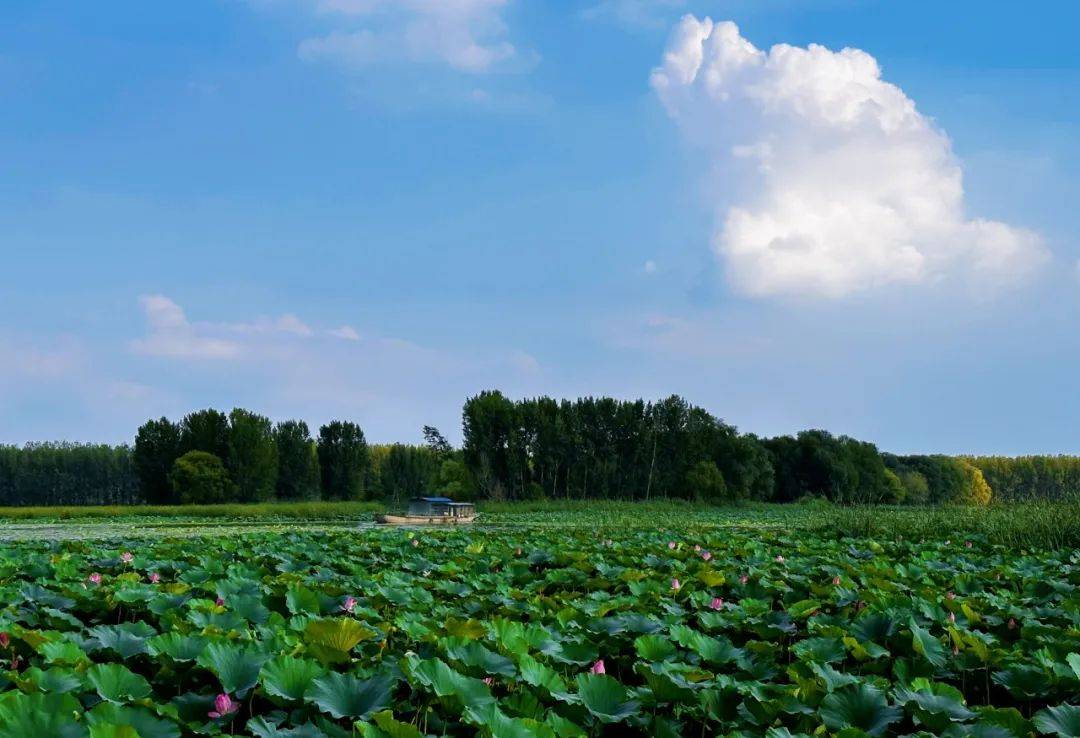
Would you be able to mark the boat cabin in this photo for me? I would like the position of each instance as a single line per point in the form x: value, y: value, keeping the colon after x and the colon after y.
x: 440, y: 507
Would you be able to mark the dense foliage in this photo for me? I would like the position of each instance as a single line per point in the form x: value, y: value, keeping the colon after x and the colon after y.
x: 67, y: 473
x: 602, y: 448
x: 299, y: 476
x: 399, y: 471
x: 1030, y: 477
x: 587, y: 449
x: 343, y: 459
x: 614, y: 627
x: 199, y: 478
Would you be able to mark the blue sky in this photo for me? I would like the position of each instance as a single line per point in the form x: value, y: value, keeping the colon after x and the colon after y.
x: 371, y: 209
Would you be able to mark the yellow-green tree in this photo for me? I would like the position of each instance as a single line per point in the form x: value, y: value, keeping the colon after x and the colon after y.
x: 976, y: 490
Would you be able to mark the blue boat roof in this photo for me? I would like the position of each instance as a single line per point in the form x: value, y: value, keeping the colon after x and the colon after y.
x: 435, y: 499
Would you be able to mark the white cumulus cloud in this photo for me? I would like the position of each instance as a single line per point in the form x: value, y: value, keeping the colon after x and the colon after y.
x: 828, y: 180
x: 466, y: 35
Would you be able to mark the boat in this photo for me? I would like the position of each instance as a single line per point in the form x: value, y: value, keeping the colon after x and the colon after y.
x: 431, y: 511
x: 388, y: 519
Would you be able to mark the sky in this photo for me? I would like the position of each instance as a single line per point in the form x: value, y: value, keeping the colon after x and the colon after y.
x: 840, y: 214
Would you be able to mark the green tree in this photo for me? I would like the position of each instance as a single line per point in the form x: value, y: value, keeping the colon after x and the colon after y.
x: 68, y: 474
x: 205, y: 430
x: 453, y: 480
x: 343, y: 460
x: 895, y: 491
x: 916, y: 490
x: 253, y: 456
x: 705, y: 483
x: 298, y: 462
x: 407, y: 471
x: 488, y: 421
x: 437, y: 442
x: 377, y: 454
x: 200, y: 478
x: 157, y: 446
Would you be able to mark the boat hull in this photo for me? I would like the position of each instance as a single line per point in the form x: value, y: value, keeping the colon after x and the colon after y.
x: 424, y: 519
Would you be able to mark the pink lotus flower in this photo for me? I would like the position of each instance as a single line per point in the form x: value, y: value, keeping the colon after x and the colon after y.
x: 415, y: 542
x: 488, y: 681
x: 952, y: 617
x: 744, y: 579
x: 223, y: 706
x: 154, y: 577
x: 706, y: 555
x: 779, y: 559
x: 716, y: 603
x: 671, y: 545
x: 697, y: 547
x: 950, y: 595
x: 675, y: 586
x: 836, y: 580
x: 94, y: 578
x: 598, y: 667
x: 127, y: 557
x: 967, y: 544
x: 349, y: 604
x: 1012, y: 623
x: 220, y: 602
x: 5, y: 640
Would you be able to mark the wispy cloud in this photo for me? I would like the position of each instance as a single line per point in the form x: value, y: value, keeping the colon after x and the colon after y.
x: 468, y: 36
x: 27, y: 359
x: 171, y: 335
x: 345, y: 332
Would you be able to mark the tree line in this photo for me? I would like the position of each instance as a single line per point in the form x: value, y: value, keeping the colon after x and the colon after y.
x: 603, y: 448
x: 68, y: 474
x: 536, y: 448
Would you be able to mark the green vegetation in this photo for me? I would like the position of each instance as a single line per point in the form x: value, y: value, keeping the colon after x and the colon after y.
x: 1021, y: 525
x: 601, y: 448
x: 231, y: 511
x: 534, y: 449
x: 1030, y: 477
x: 67, y: 473
x: 199, y: 478
x: 343, y: 458
x: 298, y: 462
x: 614, y: 619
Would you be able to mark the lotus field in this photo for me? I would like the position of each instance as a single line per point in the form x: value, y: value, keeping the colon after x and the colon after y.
x: 516, y: 630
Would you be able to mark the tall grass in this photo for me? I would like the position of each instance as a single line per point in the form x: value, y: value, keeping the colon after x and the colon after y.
x: 1026, y: 525
x: 579, y: 506
x: 269, y: 510
x: 1020, y: 525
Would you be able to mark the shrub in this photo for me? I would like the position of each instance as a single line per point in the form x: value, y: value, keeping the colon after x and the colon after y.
x: 916, y: 488
x: 199, y: 478
x: 705, y: 482
x: 454, y: 480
